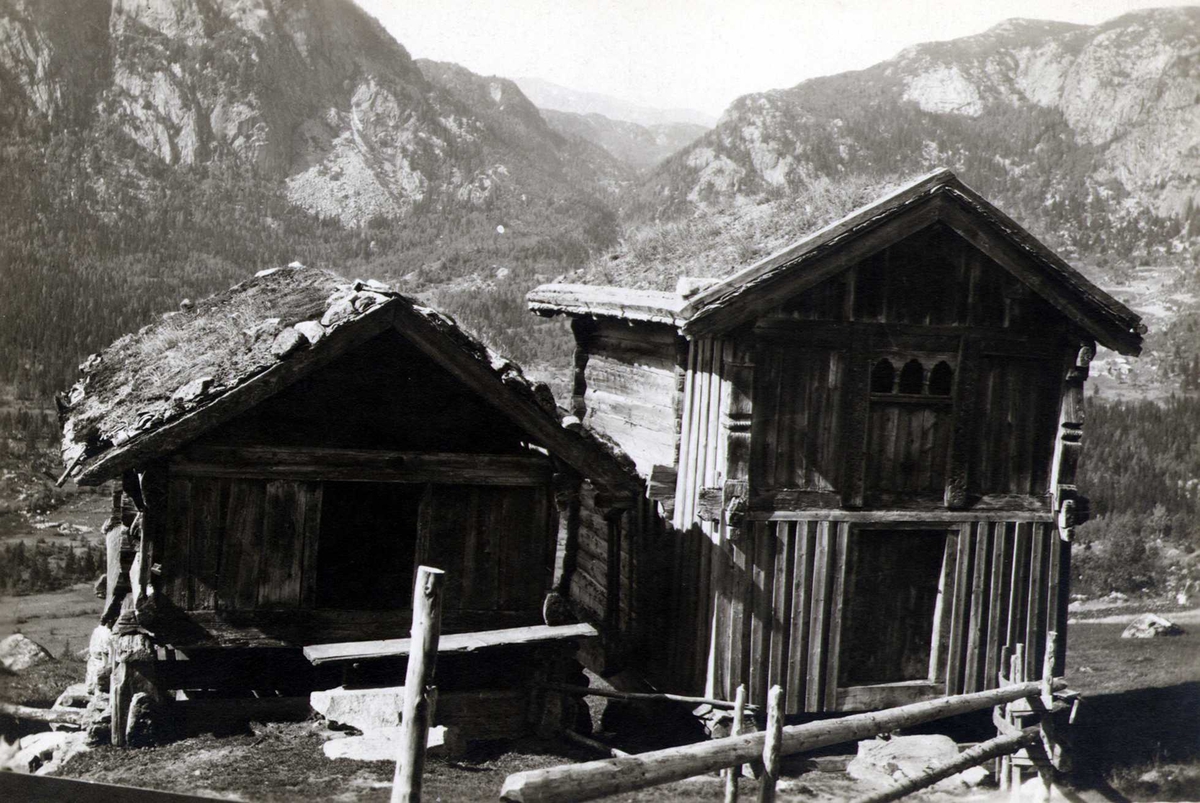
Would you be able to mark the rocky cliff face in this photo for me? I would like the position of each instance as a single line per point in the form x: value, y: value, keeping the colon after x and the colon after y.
x: 313, y: 94
x: 1091, y: 134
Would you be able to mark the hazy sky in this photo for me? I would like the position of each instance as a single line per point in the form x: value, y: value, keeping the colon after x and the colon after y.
x: 697, y: 54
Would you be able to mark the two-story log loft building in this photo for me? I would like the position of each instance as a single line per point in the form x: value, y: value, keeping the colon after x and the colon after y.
x: 859, y: 453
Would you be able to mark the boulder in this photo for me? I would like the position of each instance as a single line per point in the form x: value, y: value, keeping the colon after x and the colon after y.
x: 139, y: 729
x: 37, y: 749
x: 312, y: 330
x: 287, y: 342
x: 99, y: 663
x: 382, y: 744
x: 1151, y: 625
x: 888, y: 761
x: 364, y: 709
x: 19, y: 653
x: 74, y: 696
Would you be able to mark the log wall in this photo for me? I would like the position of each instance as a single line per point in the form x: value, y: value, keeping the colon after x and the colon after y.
x: 628, y: 378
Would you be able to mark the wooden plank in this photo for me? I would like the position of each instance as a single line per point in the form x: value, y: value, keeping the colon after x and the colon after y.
x: 1053, y: 570
x: 997, y: 601
x: 207, y: 515
x: 361, y: 464
x: 964, y: 429
x: 281, y: 565
x: 939, y: 649
x: 784, y: 535
x: 801, y: 610
x: 687, y: 444
x: 739, y: 623
x: 885, y: 695
x: 176, y: 559
x: 818, y: 628
x: 1019, y: 585
x: 956, y: 643
x: 1035, y: 636
x: 760, y: 631
x: 242, y: 546
x: 837, y: 602
x: 977, y: 629
x: 856, y: 410
x: 319, y: 654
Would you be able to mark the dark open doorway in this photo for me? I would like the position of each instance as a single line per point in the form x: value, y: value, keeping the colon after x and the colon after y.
x: 367, y: 545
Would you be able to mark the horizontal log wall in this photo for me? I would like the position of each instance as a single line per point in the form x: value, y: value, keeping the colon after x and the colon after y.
x: 629, y: 378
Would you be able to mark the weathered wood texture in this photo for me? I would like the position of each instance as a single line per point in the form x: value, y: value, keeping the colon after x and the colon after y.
x: 787, y: 609
x: 629, y: 389
x: 419, y: 693
x: 236, y: 544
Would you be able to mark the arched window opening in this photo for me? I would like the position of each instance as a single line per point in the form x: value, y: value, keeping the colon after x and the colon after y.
x: 883, y: 377
x: 941, y: 379
x: 912, y: 377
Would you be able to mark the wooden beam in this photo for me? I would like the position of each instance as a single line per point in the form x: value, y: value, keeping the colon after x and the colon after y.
x: 614, y: 776
x: 319, y: 654
x: 366, y: 465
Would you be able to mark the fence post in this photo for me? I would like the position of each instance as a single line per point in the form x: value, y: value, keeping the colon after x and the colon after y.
x: 772, y: 746
x: 418, y: 698
x: 732, y: 773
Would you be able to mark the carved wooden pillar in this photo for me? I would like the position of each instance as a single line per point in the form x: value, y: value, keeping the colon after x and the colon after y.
x: 738, y: 405
x: 1068, y: 504
x: 583, y: 329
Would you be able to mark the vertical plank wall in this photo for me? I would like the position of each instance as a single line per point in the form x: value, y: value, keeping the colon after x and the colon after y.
x: 779, y: 606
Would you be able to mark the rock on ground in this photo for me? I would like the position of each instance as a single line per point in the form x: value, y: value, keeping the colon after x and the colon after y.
x: 379, y: 745
x: 887, y: 761
x: 18, y: 653
x: 1151, y: 625
x: 365, y: 709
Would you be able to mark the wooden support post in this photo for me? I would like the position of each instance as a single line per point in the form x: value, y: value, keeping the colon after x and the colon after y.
x: 739, y: 714
x: 772, y: 745
x: 418, y: 699
x: 1000, y: 746
x: 632, y: 696
x: 595, y: 779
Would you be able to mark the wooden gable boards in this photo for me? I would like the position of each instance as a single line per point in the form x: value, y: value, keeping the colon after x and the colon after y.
x: 938, y: 197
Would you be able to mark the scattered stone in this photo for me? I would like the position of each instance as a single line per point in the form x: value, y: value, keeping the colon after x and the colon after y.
x: 339, y: 311
x: 382, y: 744
x: 312, y: 330
x: 139, y: 731
x: 186, y: 305
x: 97, y: 722
x: 37, y: 749
x: 364, y: 709
x: 99, y: 666
x: 287, y: 342
x: 192, y: 390
x: 18, y: 653
x: 887, y: 761
x: 266, y: 272
x: 1151, y: 625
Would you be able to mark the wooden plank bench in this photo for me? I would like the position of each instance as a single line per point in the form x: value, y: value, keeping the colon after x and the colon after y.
x: 319, y: 654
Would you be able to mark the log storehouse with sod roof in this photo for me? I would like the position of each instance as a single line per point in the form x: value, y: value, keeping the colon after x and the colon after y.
x: 859, y: 457
x: 288, y: 452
